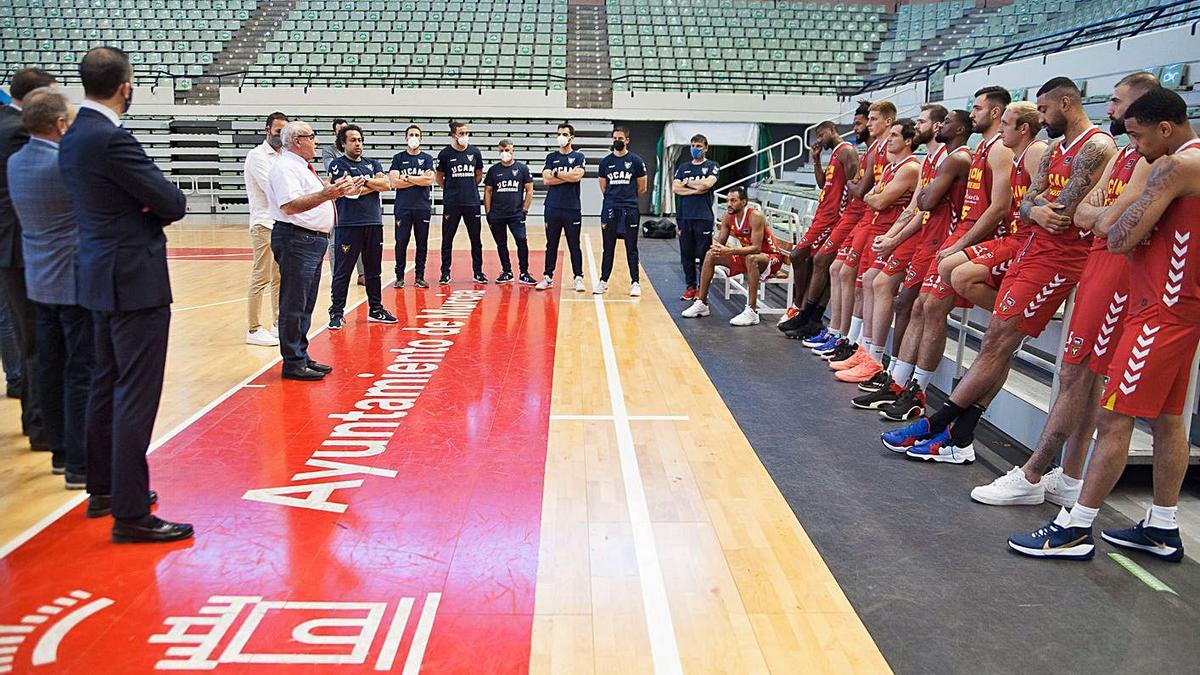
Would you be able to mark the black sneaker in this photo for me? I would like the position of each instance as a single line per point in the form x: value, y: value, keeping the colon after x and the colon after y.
x: 421, y: 283
x: 444, y: 280
x: 58, y: 466
x: 845, y: 350
x: 504, y: 278
x: 526, y: 279
x: 482, y: 280
x: 806, y: 331
x: 75, y: 481
x: 880, y: 380
x: 909, y: 405
x: 398, y: 283
x: 878, y: 399
x: 793, y: 324
x: 381, y: 315
x: 335, y: 322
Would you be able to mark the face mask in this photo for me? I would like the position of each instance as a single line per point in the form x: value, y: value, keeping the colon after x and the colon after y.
x: 506, y: 157
x: 563, y: 140
x: 275, y: 141
x: 618, y: 145
x: 128, y: 101
x: 413, y: 142
x: 462, y: 141
x: 697, y: 153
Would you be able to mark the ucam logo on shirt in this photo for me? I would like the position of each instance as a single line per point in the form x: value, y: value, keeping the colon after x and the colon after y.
x: 621, y: 177
x: 508, y: 185
x: 465, y: 169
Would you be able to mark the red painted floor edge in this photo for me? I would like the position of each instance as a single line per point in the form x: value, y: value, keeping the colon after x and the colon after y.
x: 419, y: 540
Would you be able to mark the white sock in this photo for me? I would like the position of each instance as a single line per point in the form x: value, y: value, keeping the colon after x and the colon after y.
x: 876, y: 352
x: 1082, y: 516
x: 922, y: 377
x: 1071, y: 483
x: 855, y: 329
x: 1063, y: 518
x: 902, y: 372
x: 1162, y: 517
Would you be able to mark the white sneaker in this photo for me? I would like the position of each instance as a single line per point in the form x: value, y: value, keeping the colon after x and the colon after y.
x: 579, y: 287
x: 600, y: 288
x: 261, y: 338
x: 275, y: 332
x: 1057, y: 491
x: 545, y: 283
x: 697, y: 309
x: 1011, y: 489
x: 635, y: 290
x: 748, y: 317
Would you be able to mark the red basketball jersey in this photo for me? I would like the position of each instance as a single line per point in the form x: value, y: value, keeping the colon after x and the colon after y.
x: 743, y: 232
x: 1127, y: 158
x: 834, y: 194
x: 887, y: 216
x: 1019, y: 180
x: 978, y: 195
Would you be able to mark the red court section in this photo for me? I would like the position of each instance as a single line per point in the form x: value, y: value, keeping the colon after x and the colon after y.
x: 332, y: 534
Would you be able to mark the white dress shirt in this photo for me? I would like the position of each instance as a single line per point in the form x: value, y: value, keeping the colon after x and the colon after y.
x: 293, y: 177
x: 255, y: 172
x: 103, y: 110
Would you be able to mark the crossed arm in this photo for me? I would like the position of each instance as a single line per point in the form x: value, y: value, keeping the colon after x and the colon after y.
x: 1151, y: 190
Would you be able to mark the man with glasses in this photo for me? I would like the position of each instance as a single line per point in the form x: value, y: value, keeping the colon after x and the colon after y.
x: 264, y: 274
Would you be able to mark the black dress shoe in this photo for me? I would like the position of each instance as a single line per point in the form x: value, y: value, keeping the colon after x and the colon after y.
x: 101, y: 505
x: 319, y: 367
x: 149, y: 529
x: 305, y: 374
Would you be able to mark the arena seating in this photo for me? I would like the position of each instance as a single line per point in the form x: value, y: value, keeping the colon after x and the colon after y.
x: 740, y: 46
x: 418, y: 43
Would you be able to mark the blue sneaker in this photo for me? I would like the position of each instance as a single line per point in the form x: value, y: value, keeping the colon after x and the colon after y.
x: 816, y: 340
x: 940, y: 448
x: 900, y: 440
x: 828, y: 345
x: 1156, y: 541
x: 1055, y: 541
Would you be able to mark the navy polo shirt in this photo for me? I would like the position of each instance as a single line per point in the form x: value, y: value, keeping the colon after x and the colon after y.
x: 508, y: 189
x: 565, y: 196
x: 696, y: 207
x: 362, y: 211
x: 459, y: 168
x: 413, y: 198
x: 622, y: 174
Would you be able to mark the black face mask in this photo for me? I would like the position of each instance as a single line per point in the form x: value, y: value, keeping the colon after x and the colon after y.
x: 618, y: 145
x: 1116, y: 127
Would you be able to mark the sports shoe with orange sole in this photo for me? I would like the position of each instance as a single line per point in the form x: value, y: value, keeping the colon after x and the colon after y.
x: 859, y: 357
x: 860, y: 373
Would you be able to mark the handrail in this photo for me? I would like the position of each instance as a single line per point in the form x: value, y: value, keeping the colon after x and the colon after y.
x: 785, y: 159
x: 1120, y: 27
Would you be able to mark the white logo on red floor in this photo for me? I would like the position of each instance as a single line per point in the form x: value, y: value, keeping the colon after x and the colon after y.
x: 49, y: 625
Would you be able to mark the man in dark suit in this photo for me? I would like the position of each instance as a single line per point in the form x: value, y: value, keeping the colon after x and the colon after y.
x: 122, y: 202
x: 12, y: 265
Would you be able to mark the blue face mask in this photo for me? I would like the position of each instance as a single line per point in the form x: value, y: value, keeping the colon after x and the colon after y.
x: 697, y: 153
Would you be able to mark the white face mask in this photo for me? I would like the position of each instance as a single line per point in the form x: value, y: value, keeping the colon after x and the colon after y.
x: 506, y: 156
x: 413, y: 142
x: 462, y: 141
x: 563, y: 140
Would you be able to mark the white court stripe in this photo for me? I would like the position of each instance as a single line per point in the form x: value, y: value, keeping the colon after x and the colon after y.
x: 416, y: 651
x: 54, y: 515
x: 391, y: 643
x: 190, y: 256
x: 632, y: 418
x: 597, y: 296
x: 254, y: 386
x: 663, y: 647
x: 46, y: 650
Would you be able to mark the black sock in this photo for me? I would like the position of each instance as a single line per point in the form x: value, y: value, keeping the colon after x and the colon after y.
x: 942, y: 418
x: 963, y: 431
x: 808, y: 311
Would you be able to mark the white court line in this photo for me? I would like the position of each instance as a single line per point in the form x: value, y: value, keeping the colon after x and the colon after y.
x: 663, y: 647
x: 78, y: 499
x: 416, y: 651
x: 598, y: 296
x: 193, y: 256
x: 254, y: 386
x: 391, y: 643
x: 632, y: 418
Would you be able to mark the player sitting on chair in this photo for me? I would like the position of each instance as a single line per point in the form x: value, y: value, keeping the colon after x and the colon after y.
x: 754, y: 255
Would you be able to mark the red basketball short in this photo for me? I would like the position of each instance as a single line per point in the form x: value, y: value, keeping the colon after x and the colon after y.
x: 1151, y: 367
x: 816, y: 234
x: 1037, y: 283
x: 902, y: 256
x: 1096, y: 321
x: 738, y: 266
x: 933, y: 284
x: 996, y: 254
x: 845, y: 225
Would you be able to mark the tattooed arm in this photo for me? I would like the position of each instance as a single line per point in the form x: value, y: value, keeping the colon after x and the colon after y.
x: 1089, y: 211
x: 1033, y: 197
x: 1151, y: 190
x: 1086, y: 172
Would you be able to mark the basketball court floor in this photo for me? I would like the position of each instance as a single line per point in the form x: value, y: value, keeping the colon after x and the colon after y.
x: 512, y: 481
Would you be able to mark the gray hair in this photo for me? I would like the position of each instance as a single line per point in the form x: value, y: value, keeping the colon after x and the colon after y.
x: 292, y: 130
x: 42, y: 108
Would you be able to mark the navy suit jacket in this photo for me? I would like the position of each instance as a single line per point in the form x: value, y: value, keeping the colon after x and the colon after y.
x: 122, y: 202
x: 12, y: 137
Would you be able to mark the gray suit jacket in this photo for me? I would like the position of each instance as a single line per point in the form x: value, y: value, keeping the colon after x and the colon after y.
x: 49, y: 235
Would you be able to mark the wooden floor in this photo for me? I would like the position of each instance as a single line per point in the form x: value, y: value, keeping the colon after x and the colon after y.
x: 664, y: 545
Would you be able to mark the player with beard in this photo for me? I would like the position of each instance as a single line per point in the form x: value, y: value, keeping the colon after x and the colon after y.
x: 1092, y: 336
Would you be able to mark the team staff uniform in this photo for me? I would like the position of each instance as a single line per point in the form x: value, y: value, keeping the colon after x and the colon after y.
x: 562, y: 173
x: 622, y: 174
x: 459, y: 168
x: 693, y: 185
x: 508, y: 192
x: 411, y: 172
x: 359, y: 230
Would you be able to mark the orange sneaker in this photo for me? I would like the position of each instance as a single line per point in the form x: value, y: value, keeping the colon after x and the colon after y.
x: 860, y: 373
x: 857, y: 358
x: 791, y: 313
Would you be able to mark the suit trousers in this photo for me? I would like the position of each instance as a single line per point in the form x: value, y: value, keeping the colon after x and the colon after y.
x: 264, y: 278
x: 127, y: 381
x: 559, y: 221
x: 409, y: 223
x: 24, y: 319
x: 619, y: 223
x: 65, y: 355
x: 299, y: 253
x: 356, y: 243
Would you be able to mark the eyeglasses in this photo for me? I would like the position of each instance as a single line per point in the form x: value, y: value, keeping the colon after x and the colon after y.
x: 305, y: 136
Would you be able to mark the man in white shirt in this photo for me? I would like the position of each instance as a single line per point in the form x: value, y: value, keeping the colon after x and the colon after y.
x: 301, y: 204
x: 264, y: 275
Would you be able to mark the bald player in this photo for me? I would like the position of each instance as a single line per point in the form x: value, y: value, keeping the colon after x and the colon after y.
x: 1036, y: 283
x: 1156, y: 222
x: 1092, y: 336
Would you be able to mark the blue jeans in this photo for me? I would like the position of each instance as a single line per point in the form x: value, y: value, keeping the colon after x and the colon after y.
x: 299, y: 253
x: 64, y: 334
